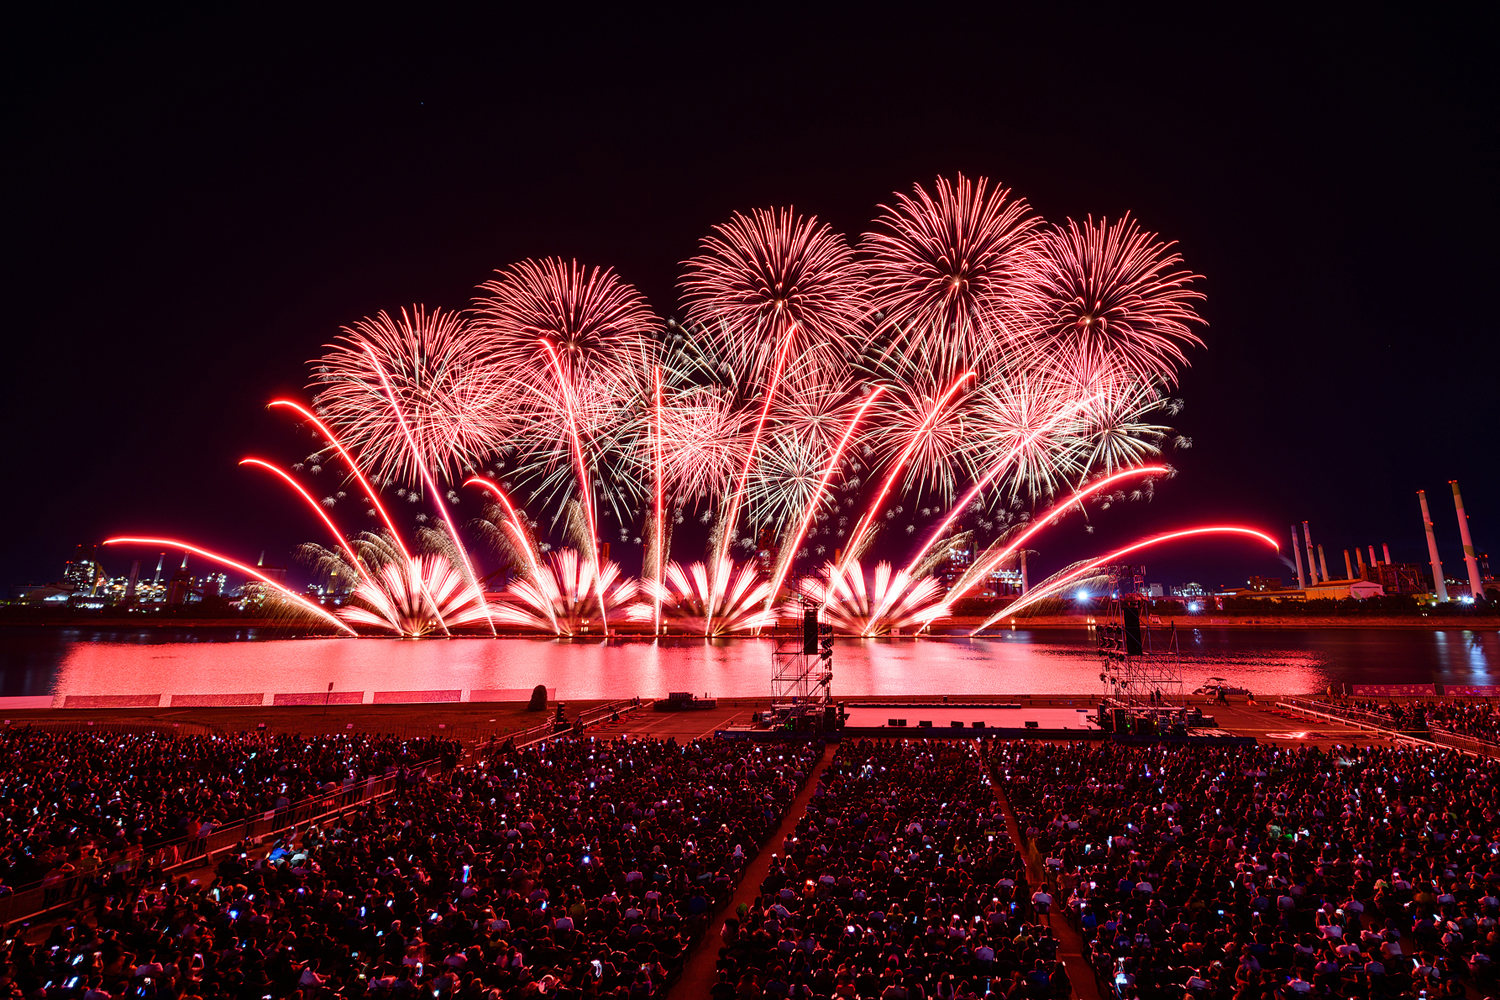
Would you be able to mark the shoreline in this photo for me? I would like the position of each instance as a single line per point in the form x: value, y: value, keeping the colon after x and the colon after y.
x: 956, y: 627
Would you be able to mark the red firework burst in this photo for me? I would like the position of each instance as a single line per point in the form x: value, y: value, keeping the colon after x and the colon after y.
x: 589, y: 316
x: 441, y: 376
x: 762, y: 272
x: 957, y: 267
x: 1117, y: 288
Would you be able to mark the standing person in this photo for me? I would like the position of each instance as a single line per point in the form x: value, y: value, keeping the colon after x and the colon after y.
x: 1041, y: 902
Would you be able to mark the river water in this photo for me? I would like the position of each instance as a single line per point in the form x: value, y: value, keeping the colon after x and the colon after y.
x: 94, y: 661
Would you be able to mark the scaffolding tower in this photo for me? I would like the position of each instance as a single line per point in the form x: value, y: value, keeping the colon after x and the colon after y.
x: 802, y: 661
x: 1141, y: 662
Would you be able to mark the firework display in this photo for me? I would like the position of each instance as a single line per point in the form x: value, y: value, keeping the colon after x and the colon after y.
x: 941, y: 378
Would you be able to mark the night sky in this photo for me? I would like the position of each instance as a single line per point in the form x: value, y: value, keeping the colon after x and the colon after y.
x: 195, y: 205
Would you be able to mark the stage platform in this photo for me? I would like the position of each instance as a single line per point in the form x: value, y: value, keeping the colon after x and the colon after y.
x: 1010, y: 715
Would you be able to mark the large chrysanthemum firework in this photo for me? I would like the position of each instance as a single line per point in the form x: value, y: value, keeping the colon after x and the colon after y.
x: 891, y: 601
x: 592, y: 319
x: 562, y: 598
x: 1118, y: 288
x: 957, y: 268
x: 416, y: 596
x: 571, y: 342
x: 763, y: 272
x: 443, y: 379
x: 732, y: 600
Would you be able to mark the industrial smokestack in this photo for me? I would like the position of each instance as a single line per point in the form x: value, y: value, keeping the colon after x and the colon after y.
x: 1322, y: 563
x: 1361, y: 557
x: 135, y: 575
x: 1439, y: 586
x: 1476, y: 586
x: 1024, y: 586
x: 1348, y: 566
x: 1312, y: 568
x: 1385, y: 550
x: 1297, y: 558
x: 1373, y: 560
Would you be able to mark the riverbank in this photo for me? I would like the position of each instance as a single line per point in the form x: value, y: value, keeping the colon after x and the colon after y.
x: 252, y: 629
x: 1208, y: 620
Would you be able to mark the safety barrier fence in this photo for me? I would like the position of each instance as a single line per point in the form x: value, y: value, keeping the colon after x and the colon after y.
x: 269, y: 699
x: 585, y: 718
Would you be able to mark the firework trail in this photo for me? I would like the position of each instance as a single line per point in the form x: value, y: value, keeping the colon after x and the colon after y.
x: 914, y: 440
x: 436, y: 369
x: 514, y: 521
x: 1116, y: 287
x: 732, y: 514
x: 585, y: 490
x: 999, y: 466
x: 296, y: 599
x: 370, y: 492
x: 762, y: 271
x: 355, y: 562
x: 795, y: 539
x: 436, y: 496
x: 1052, y: 586
x: 660, y: 543
x: 958, y: 268
x: 985, y: 564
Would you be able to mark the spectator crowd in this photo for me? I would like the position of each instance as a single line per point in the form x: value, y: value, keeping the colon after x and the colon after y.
x: 1207, y: 872
x: 576, y: 868
x: 900, y: 882
x: 588, y: 868
x: 70, y: 799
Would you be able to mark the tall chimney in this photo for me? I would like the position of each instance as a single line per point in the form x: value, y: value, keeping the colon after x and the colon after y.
x: 1385, y: 550
x: 1322, y: 563
x: 135, y: 575
x: 1439, y: 587
x: 1373, y: 560
x: 1297, y: 558
x: 1476, y: 586
x: 1359, y: 554
x: 1348, y: 566
x: 1312, y: 569
x: 1024, y: 587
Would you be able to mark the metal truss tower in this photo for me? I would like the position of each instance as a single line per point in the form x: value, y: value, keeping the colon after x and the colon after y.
x: 1141, y: 663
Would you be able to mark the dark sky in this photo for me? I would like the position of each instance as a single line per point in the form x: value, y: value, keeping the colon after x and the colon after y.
x: 197, y: 203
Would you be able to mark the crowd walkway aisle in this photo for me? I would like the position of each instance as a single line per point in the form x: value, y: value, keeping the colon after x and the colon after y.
x: 1069, y: 943
x: 701, y: 972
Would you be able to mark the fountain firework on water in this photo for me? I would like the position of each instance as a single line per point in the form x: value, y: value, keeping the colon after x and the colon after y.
x: 965, y: 357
